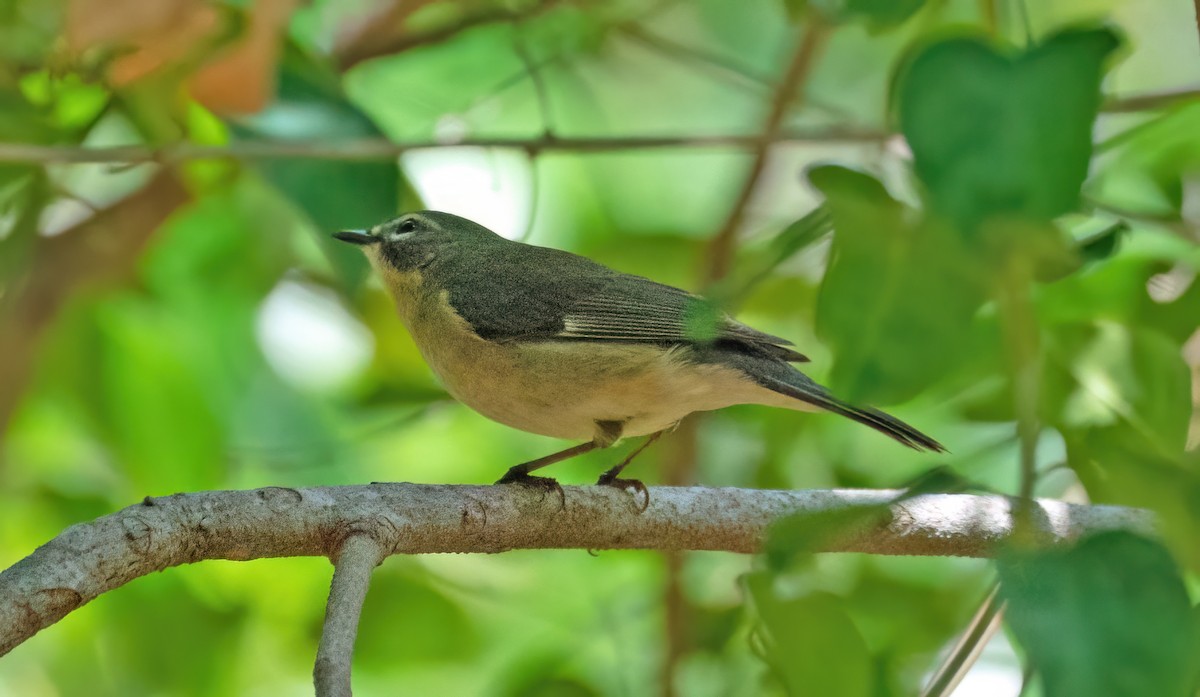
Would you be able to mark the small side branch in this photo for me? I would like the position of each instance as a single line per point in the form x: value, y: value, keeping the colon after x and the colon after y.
x: 359, y: 556
x: 92, y: 558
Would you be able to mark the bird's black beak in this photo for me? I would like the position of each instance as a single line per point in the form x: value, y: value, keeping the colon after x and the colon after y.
x: 355, y: 237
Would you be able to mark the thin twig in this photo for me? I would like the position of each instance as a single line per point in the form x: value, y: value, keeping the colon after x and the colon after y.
x: 1149, y: 102
x: 725, y: 66
x: 352, y: 55
x: 679, y: 469
x: 359, y: 556
x: 1026, y: 23
x: 1196, y: 3
x: 1020, y: 330
x: 534, y: 70
x: 382, y: 149
x: 790, y: 85
x: 983, y: 627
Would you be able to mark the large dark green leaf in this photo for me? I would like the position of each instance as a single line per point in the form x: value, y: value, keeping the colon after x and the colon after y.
x: 994, y: 132
x: 899, y: 295
x: 1125, y: 417
x: 810, y: 642
x: 1107, y: 617
x: 335, y: 194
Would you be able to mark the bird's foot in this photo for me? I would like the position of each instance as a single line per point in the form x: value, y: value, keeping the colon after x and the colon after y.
x: 543, y: 484
x: 634, y: 486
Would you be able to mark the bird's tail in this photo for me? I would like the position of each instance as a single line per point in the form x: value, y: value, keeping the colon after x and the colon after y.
x: 818, y: 396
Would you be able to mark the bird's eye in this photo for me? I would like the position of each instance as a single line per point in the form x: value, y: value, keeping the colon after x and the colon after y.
x: 408, y: 226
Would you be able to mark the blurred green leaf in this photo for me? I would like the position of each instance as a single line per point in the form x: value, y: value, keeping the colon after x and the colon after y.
x: 702, y: 320
x: 1071, y: 257
x: 999, y: 133
x: 797, y: 537
x: 756, y: 265
x: 880, y: 14
x: 169, y: 617
x: 553, y: 686
x: 1102, y: 244
x: 21, y: 204
x: 898, y: 298
x: 335, y: 194
x: 1109, y: 616
x: 1134, y: 380
x: 796, y: 9
x: 406, y: 619
x: 1125, y: 419
x: 1147, y: 174
x: 831, y: 660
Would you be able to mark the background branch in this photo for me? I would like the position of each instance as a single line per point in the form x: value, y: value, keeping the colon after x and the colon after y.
x: 791, y: 85
x: 382, y: 149
x: 353, y: 52
x: 92, y: 558
x: 101, y: 248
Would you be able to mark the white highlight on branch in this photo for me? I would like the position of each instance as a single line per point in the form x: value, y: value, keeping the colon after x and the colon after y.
x: 91, y: 558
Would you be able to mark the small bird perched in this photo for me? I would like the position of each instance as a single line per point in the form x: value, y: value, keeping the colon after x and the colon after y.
x: 553, y: 343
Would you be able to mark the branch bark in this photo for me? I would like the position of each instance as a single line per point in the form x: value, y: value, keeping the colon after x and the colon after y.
x: 92, y: 558
x: 359, y: 555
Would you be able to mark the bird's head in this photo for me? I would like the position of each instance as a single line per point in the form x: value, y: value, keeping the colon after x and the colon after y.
x: 413, y: 240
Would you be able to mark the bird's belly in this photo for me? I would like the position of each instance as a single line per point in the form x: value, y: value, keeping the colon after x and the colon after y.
x: 562, y: 389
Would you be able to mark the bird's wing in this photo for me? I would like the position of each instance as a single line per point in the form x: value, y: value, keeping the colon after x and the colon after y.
x: 635, y: 309
x: 567, y: 297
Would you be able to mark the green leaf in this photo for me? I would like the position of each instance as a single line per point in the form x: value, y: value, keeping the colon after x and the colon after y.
x: 1147, y: 174
x: 881, y: 14
x: 408, y: 620
x: 1125, y: 420
x: 1108, y: 617
x: 796, y: 537
x: 758, y: 264
x: 796, y: 10
x: 335, y: 194
x: 810, y: 642
x: 1104, y: 243
x: 1131, y: 379
x: 702, y: 320
x: 898, y: 298
x: 997, y: 133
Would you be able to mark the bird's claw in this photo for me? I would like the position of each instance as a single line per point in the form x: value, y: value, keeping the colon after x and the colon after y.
x: 543, y: 484
x: 633, y: 485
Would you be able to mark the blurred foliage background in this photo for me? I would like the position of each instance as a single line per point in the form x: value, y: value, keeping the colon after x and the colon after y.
x: 982, y: 215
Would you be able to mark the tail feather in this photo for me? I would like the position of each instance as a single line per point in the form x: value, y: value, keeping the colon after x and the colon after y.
x: 884, y: 423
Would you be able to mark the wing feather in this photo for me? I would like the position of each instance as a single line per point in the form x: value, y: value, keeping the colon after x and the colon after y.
x: 532, y: 293
x: 634, y: 309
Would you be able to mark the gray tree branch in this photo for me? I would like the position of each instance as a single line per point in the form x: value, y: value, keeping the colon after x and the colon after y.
x: 359, y: 555
x: 88, y: 559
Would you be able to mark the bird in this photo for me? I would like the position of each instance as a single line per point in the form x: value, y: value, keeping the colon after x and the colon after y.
x: 553, y: 343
